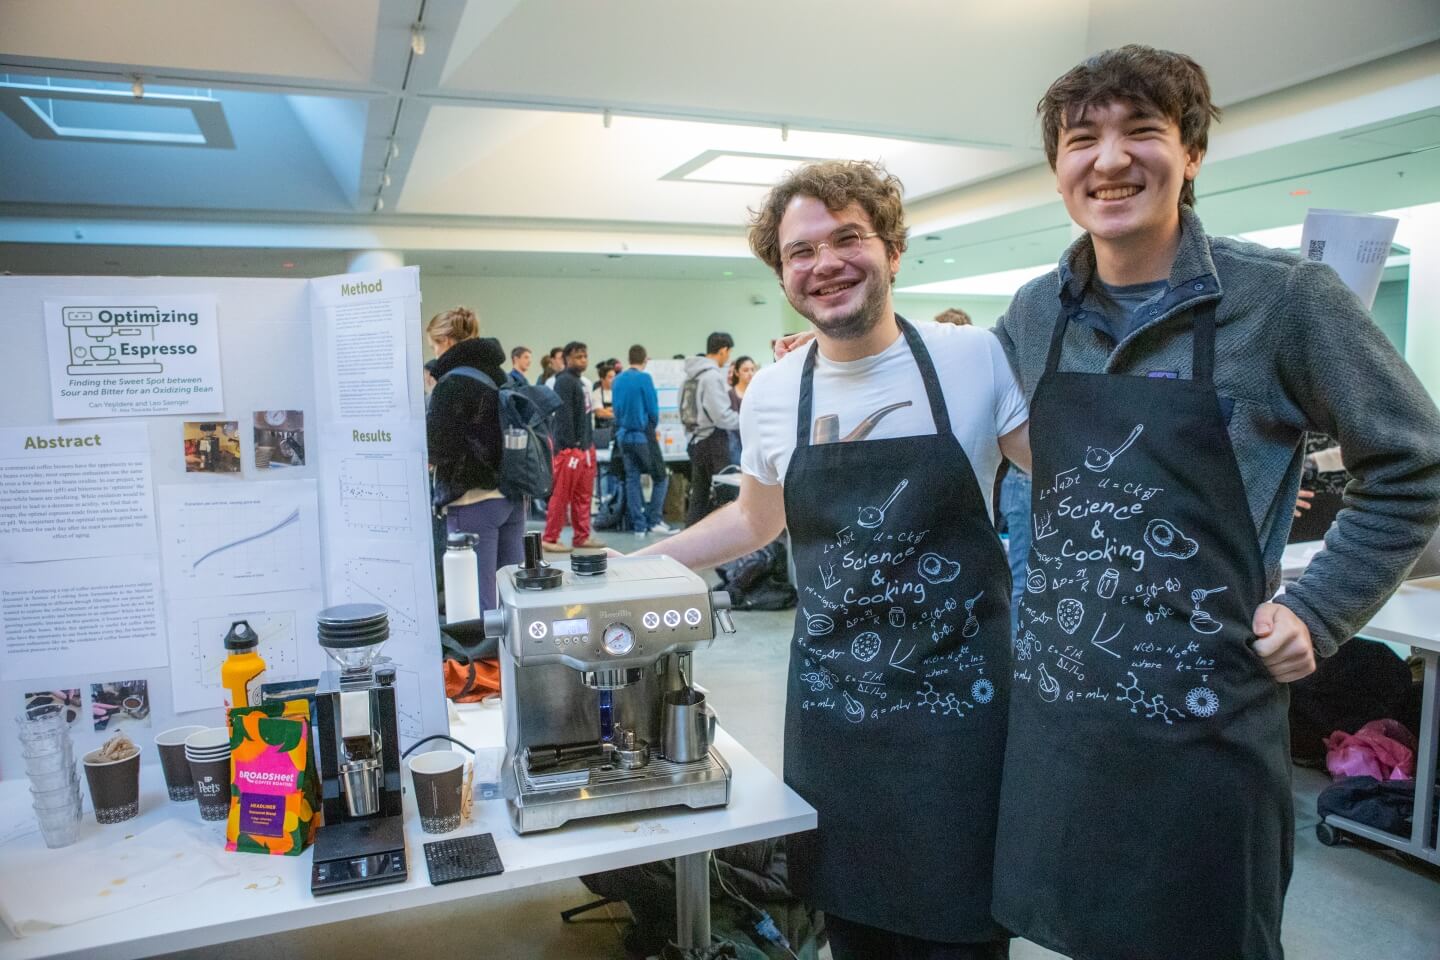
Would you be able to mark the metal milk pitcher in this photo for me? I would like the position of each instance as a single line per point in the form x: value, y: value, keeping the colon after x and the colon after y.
x: 689, y: 726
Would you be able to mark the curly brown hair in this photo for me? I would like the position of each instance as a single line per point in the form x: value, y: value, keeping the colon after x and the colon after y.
x: 1169, y: 83
x: 837, y: 184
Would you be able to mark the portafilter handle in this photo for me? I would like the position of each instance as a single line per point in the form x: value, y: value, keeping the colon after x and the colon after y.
x: 720, y: 604
x: 495, y: 623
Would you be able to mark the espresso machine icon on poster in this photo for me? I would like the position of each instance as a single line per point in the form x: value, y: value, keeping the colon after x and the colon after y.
x: 362, y: 841
x: 601, y: 715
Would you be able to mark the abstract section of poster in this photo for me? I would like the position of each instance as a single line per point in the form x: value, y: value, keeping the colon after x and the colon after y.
x: 80, y: 617
x: 284, y: 622
x: 133, y: 357
x: 75, y: 492
x: 222, y: 542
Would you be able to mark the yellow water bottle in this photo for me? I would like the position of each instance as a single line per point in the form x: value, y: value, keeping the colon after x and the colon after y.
x: 241, y: 672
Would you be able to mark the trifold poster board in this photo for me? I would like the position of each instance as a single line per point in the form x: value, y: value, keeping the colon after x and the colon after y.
x: 177, y: 454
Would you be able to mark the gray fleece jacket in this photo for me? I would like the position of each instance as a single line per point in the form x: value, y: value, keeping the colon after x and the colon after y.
x: 1295, y: 350
x: 712, y: 397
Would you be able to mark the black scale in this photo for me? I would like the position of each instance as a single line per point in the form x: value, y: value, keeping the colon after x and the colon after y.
x: 462, y: 858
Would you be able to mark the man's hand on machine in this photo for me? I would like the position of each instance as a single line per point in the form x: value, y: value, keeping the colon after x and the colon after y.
x: 792, y: 342
x: 1282, y: 642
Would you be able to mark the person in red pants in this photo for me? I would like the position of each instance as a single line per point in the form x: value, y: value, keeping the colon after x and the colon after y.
x: 573, y: 467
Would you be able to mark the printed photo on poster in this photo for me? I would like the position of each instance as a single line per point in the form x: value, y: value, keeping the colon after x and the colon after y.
x: 41, y: 702
x: 119, y: 705
x: 212, y: 446
x: 279, y: 439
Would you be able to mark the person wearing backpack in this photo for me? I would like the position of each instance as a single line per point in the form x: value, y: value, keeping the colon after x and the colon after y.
x: 708, y: 418
x: 464, y: 433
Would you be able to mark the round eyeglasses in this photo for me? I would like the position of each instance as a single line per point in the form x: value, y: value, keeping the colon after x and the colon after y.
x: 845, y: 243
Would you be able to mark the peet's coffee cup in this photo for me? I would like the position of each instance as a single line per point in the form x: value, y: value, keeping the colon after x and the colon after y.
x: 211, y: 779
x: 208, y: 753
x: 114, y: 786
x: 171, y: 745
x: 439, y: 778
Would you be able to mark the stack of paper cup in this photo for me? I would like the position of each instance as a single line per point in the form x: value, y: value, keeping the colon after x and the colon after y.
x: 208, y: 751
x: 54, y: 787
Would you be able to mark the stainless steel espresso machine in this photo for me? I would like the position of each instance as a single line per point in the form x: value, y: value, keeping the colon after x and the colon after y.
x: 600, y: 713
x: 362, y: 841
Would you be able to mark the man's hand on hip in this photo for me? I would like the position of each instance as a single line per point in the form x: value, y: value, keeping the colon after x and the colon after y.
x: 1282, y: 642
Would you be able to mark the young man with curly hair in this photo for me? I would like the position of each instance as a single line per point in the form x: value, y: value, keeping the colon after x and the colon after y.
x: 877, y: 447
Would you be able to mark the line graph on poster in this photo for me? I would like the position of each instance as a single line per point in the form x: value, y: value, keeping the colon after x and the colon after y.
x: 383, y: 580
x: 260, y: 539
x: 375, y: 493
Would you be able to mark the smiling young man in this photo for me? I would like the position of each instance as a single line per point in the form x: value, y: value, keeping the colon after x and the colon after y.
x: 1146, y: 809
x: 877, y: 447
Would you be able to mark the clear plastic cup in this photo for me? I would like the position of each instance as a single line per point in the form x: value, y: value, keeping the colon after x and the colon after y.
x: 54, y: 779
x: 46, y: 762
x: 41, y: 748
x: 41, y: 727
x: 60, y: 831
x: 55, y: 797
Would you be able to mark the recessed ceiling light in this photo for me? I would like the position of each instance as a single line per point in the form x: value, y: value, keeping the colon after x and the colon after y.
x: 949, y: 259
x: 729, y: 273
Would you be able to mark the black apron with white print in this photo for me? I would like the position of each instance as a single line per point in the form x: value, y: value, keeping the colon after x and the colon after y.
x: 895, y: 712
x: 1146, y: 811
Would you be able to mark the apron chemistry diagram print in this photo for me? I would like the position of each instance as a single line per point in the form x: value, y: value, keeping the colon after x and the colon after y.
x: 902, y: 637
x: 1153, y: 559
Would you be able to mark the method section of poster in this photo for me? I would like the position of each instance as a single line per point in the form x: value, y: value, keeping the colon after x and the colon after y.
x: 80, y: 617
x: 129, y: 357
x: 73, y: 492
x: 223, y: 541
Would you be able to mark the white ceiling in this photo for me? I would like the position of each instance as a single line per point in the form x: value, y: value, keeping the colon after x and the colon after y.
x: 543, y: 137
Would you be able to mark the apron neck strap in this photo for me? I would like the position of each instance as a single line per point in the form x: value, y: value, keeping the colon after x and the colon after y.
x: 1202, y: 342
x: 912, y: 336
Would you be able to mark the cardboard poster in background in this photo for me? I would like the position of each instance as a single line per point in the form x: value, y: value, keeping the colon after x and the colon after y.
x: 133, y: 356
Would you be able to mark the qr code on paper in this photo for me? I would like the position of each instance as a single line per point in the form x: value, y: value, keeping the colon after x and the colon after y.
x: 1317, y: 250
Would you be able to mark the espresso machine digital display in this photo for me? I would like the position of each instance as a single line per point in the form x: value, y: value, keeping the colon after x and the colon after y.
x: 601, y: 715
x: 362, y: 841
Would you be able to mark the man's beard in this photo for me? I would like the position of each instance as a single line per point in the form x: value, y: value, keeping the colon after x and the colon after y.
x: 866, y: 316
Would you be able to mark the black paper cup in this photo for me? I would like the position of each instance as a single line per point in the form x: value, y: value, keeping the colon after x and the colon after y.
x: 171, y: 745
x: 114, y: 786
x: 212, y: 787
x: 208, y: 753
x: 438, y: 778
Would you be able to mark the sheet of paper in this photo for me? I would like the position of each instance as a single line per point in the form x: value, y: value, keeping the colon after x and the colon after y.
x: 71, y: 492
x: 1355, y: 245
x: 375, y: 479
x: 361, y: 345
x: 284, y: 622
x: 393, y: 574
x: 80, y: 616
x: 223, y: 540
x: 128, y: 356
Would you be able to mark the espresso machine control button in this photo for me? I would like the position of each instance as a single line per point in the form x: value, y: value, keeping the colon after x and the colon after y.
x: 692, y: 617
x: 618, y: 640
x: 672, y: 618
x: 538, y: 630
x: 651, y: 619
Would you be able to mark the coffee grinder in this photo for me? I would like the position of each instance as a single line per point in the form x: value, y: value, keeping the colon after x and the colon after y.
x: 362, y: 841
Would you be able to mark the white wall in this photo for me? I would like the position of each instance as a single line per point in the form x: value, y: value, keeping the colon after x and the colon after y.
x: 667, y: 316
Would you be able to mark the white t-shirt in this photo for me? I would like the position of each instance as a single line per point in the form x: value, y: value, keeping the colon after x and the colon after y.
x: 981, y: 394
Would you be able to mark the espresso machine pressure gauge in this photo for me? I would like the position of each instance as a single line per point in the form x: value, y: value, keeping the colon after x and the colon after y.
x: 618, y: 640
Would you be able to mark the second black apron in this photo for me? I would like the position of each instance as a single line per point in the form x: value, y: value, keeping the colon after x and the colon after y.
x: 1146, y: 811
x: 895, y: 709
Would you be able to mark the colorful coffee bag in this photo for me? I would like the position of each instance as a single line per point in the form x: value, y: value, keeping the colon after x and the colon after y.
x: 274, y: 791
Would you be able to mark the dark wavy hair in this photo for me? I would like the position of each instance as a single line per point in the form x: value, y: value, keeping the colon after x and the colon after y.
x: 1170, y: 84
